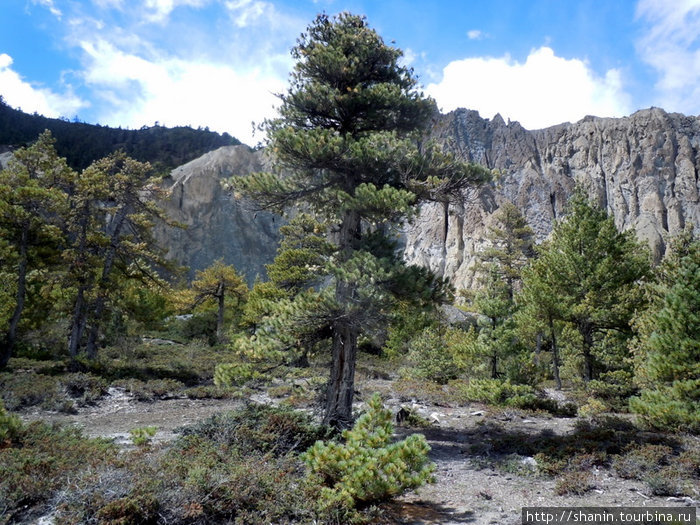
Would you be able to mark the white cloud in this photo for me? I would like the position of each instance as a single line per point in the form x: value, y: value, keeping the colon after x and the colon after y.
x: 21, y: 94
x: 174, y: 92
x: 247, y: 12
x: 671, y: 46
x: 51, y: 6
x: 543, y: 91
x: 161, y: 9
x: 475, y: 34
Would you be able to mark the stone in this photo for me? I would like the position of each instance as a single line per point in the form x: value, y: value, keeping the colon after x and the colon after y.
x: 217, y: 224
x: 643, y: 169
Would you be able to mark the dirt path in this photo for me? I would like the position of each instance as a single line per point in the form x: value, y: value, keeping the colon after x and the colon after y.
x: 470, y: 488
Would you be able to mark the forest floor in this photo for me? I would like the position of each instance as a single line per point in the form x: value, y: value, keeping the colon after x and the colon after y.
x: 486, y: 472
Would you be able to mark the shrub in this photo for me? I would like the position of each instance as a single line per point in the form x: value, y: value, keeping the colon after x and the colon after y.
x: 41, y: 460
x: 234, y: 374
x: 574, y: 482
x: 10, y: 426
x: 86, y: 388
x: 142, y: 436
x: 151, y: 390
x: 640, y: 460
x: 29, y: 389
x: 593, y: 407
x: 259, y: 428
x: 366, y: 468
x: 431, y: 358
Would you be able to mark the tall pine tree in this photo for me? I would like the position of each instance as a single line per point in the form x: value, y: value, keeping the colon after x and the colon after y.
x: 349, y: 140
x: 32, y: 200
x: 594, y: 271
x: 668, y: 348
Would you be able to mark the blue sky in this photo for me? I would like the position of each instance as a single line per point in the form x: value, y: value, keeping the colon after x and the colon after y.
x: 218, y: 63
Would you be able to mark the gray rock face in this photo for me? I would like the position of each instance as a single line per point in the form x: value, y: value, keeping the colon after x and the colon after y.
x: 643, y: 169
x: 217, y: 224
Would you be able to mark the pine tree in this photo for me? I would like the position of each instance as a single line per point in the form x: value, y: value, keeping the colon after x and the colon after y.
x: 668, y: 349
x: 218, y: 283
x: 500, y: 267
x: 32, y: 199
x: 369, y: 468
x: 594, y: 273
x: 112, y: 213
x: 541, y: 309
x: 348, y: 138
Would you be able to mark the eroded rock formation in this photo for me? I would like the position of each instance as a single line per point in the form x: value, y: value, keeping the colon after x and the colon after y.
x: 643, y: 169
x: 217, y: 224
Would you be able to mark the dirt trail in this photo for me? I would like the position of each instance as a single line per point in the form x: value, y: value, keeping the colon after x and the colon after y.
x: 469, y: 488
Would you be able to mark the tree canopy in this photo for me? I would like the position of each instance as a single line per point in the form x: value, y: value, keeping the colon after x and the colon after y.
x: 349, y: 147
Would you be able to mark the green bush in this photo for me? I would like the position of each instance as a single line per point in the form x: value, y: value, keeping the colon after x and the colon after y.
x: 150, y: 390
x: 431, y: 358
x: 142, y: 436
x: 504, y: 393
x: 22, y: 390
x: 367, y: 468
x: 10, y: 426
x: 259, y: 428
x: 234, y: 374
x: 199, y: 326
x: 41, y: 460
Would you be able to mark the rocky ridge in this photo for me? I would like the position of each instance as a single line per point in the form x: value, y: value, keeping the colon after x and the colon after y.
x: 643, y: 169
x: 216, y: 224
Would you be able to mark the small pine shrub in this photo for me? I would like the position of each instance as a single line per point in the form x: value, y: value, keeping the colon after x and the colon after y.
x: 10, y: 426
x: 142, y: 436
x: 234, y: 374
x: 431, y: 358
x: 367, y: 468
x: 593, y: 407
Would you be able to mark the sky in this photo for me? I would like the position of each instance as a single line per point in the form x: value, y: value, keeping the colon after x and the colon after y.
x: 220, y: 63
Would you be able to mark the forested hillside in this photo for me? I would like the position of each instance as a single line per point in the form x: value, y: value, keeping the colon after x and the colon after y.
x: 82, y: 143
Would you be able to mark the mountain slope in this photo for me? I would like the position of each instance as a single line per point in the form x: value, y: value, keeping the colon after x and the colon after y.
x: 82, y: 143
x: 643, y: 169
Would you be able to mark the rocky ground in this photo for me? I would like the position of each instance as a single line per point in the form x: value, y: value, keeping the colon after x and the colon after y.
x: 474, y: 483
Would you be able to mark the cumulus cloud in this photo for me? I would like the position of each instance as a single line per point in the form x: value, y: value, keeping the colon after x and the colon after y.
x: 475, y: 34
x: 542, y: 91
x: 671, y: 46
x: 31, y: 98
x: 51, y: 6
x: 159, y: 10
x: 174, y: 91
x: 246, y: 12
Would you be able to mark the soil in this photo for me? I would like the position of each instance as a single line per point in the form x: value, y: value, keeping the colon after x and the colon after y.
x: 470, y: 488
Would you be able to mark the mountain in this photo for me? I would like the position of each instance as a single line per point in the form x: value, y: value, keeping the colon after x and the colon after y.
x: 81, y: 144
x: 643, y: 169
x: 216, y: 224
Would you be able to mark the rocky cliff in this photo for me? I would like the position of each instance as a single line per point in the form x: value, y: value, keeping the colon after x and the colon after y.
x: 643, y: 169
x: 216, y: 224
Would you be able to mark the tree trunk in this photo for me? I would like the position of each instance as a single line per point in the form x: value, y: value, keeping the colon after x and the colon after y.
x: 494, y: 366
x: 77, y: 324
x: 100, y: 302
x: 11, y: 335
x: 220, y: 315
x: 586, y: 331
x: 341, y: 385
x: 555, y: 355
